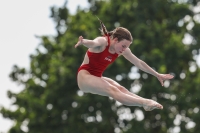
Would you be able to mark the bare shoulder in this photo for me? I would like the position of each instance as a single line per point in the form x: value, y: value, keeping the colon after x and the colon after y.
x: 101, y: 40
x: 127, y: 52
x: 130, y: 56
x: 99, y: 44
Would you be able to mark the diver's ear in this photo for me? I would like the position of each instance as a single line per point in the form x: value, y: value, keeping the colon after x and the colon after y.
x: 115, y: 39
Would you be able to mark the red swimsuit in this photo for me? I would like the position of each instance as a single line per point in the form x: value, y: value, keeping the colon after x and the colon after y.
x: 98, y: 62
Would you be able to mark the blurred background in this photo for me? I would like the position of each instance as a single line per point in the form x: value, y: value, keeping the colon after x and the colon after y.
x: 21, y: 21
x: 39, y: 93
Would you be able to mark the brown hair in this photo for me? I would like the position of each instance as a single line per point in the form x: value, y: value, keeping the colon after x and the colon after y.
x: 120, y: 32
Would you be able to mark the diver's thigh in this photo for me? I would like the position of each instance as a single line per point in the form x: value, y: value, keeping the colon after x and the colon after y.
x: 111, y: 81
x: 93, y: 84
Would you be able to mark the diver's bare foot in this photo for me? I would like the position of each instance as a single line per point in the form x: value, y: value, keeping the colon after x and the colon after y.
x: 149, y: 105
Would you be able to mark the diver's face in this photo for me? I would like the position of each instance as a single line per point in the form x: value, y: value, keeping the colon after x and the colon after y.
x: 120, y: 46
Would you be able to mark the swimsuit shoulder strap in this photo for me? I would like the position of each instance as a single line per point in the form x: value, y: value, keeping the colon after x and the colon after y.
x: 108, y: 40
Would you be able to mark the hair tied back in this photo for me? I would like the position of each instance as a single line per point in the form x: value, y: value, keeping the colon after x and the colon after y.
x: 103, y: 28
